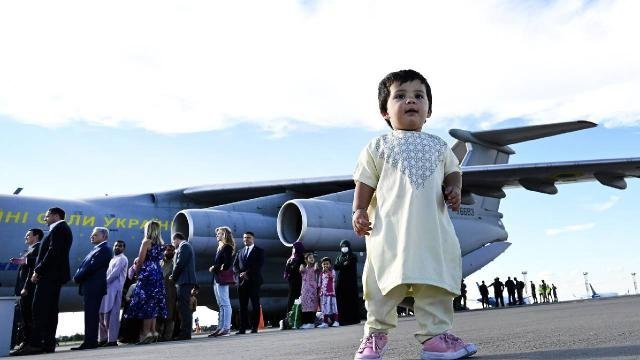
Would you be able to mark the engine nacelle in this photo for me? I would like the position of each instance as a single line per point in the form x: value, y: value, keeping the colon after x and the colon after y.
x: 199, y: 225
x: 478, y: 258
x: 319, y: 224
x: 474, y: 234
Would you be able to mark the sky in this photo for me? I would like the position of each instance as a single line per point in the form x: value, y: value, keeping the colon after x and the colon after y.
x: 131, y: 97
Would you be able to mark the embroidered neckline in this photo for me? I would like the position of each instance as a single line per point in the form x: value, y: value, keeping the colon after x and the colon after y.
x: 414, y: 154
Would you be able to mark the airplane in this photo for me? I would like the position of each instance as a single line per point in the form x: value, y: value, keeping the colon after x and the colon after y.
x: 505, y: 299
x: 596, y: 295
x: 316, y: 211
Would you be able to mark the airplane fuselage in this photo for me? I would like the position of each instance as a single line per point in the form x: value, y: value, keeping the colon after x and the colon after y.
x: 125, y: 216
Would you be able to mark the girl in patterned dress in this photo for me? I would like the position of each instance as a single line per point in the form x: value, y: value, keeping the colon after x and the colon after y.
x: 309, y: 293
x: 328, y: 304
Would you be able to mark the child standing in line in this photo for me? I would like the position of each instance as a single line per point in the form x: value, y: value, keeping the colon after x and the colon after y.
x: 404, y: 182
x: 328, y: 304
x: 309, y: 292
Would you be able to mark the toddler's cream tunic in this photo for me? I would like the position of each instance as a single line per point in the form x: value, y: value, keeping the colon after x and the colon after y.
x: 413, y: 240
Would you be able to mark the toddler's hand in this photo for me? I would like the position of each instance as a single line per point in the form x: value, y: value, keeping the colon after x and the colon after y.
x: 452, y: 197
x: 361, y: 223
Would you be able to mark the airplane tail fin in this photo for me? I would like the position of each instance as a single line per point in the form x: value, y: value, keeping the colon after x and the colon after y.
x: 492, y: 147
x: 485, y: 147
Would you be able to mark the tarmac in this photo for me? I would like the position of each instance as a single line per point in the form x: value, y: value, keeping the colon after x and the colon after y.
x: 588, y: 329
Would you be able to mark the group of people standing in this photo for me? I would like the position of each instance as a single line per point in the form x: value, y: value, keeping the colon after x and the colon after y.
x: 548, y: 293
x: 515, y: 290
x: 158, y: 289
x: 43, y: 270
x: 331, y: 288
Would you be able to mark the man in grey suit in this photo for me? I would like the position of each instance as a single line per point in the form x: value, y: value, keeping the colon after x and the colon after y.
x: 184, y: 275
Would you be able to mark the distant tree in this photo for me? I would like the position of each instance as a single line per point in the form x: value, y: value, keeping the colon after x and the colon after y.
x: 72, y: 338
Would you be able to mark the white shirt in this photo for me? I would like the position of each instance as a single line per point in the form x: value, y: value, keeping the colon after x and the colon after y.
x: 54, y: 224
x: 96, y: 246
x: 248, y: 250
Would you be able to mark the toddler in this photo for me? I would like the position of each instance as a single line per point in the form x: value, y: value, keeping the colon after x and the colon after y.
x: 404, y: 182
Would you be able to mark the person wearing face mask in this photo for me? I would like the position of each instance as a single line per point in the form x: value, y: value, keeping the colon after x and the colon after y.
x: 347, y: 285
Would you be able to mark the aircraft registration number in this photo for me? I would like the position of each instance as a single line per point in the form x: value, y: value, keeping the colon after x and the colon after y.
x: 465, y: 211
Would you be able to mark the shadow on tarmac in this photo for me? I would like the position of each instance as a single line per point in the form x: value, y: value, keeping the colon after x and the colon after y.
x: 617, y: 352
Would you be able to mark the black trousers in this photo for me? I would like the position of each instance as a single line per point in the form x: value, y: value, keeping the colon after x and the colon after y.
x: 248, y: 292
x: 485, y: 300
x: 499, y: 299
x: 27, y: 315
x: 295, y: 287
x: 45, y: 315
x: 309, y: 317
x: 91, y: 318
x: 184, y: 307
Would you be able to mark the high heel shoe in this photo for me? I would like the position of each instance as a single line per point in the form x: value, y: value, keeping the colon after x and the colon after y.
x: 146, y: 340
x: 156, y: 335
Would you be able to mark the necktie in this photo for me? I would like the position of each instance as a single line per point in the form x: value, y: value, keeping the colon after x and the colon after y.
x: 246, y: 254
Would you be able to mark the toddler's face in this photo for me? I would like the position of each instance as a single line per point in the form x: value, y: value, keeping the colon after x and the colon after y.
x: 311, y: 259
x: 326, y: 266
x: 407, y: 107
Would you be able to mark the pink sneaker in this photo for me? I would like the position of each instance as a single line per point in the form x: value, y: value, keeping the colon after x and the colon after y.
x: 447, y: 346
x: 372, y: 347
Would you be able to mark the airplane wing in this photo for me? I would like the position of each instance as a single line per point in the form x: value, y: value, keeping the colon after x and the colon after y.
x: 488, y: 180
x: 311, y: 187
x: 483, y: 180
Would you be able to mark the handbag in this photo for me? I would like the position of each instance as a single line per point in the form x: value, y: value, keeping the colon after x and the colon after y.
x: 226, y: 277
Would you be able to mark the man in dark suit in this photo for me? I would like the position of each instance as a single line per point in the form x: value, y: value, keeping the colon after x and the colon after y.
x: 50, y: 273
x: 184, y: 274
x: 484, y: 293
x: 92, y: 278
x: 24, y: 288
x: 498, y: 288
x: 248, y: 265
x: 511, y: 290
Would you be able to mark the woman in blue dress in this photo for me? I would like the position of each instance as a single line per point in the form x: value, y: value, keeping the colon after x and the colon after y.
x: 149, y: 300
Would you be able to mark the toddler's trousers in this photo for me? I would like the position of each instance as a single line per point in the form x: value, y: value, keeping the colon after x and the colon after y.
x: 433, y: 306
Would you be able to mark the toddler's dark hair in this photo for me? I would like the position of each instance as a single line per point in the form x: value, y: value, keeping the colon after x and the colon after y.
x: 400, y: 77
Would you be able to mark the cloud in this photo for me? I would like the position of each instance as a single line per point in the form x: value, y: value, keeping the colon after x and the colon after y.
x: 546, y: 274
x: 570, y: 229
x: 190, y: 66
x: 605, y: 205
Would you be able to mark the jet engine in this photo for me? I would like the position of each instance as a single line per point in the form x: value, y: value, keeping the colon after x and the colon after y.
x: 199, y: 225
x: 319, y: 224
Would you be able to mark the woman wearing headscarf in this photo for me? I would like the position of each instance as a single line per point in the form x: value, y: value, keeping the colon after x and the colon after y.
x: 292, y: 272
x: 347, y: 285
